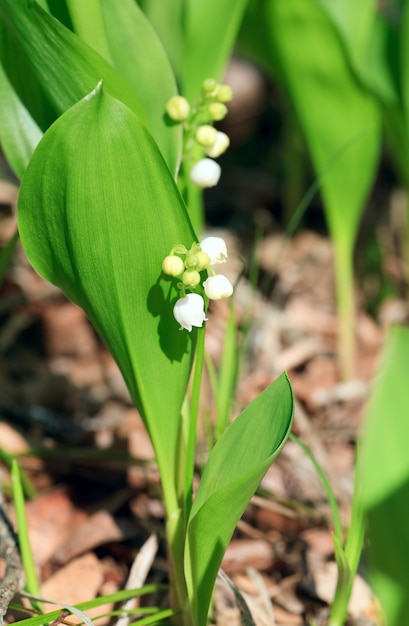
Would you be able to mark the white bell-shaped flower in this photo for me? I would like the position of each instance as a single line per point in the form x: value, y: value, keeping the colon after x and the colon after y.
x: 205, y: 173
x: 189, y: 311
x: 215, y: 248
x: 219, y: 146
x: 218, y: 287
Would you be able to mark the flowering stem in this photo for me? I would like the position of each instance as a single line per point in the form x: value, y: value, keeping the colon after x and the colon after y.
x: 194, y: 411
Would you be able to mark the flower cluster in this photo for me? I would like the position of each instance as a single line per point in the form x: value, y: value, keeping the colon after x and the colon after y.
x: 187, y: 266
x: 203, y: 142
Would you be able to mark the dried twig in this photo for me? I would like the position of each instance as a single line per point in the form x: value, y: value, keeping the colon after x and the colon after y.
x: 138, y: 574
x: 246, y: 618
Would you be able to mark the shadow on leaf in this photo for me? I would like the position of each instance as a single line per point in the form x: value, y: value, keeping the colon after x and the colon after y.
x: 174, y: 343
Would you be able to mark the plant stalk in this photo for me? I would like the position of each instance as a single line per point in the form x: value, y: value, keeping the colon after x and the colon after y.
x: 352, y: 553
x: 194, y: 412
x: 345, y: 298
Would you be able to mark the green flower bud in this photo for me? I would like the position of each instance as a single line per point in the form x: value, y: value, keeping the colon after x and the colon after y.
x: 206, y: 135
x: 192, y: 262
x: 217, y: 111
x: 209, y: 86
x: 178, y: 108
x: 224, y: 93
x: 172, y: 265
x: 191, y: 278
x: 203, y: 260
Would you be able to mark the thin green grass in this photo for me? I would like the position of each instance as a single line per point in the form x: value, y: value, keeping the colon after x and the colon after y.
x: 32, y: 584
x: 347, y: 551
x: 119, y: 596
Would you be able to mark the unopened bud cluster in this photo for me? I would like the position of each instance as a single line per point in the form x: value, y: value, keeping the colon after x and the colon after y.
x: 187, y: 265
x: 201, y: 138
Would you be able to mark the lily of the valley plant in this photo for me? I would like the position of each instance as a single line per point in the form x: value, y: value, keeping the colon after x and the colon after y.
x: 104, y: 213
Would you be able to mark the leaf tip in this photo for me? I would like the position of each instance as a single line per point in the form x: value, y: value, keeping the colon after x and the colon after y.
x: 97, y: 90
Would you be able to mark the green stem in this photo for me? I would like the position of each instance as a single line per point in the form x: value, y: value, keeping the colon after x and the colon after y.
x: 294, y: 165
x: 345, y: 297
x: 6, y: 254
x: 227, y: 375
x: 352, y: 552
x: 194, y: 412
x: 336, y: 520
x: 179, y: 598
x: 177, y: 516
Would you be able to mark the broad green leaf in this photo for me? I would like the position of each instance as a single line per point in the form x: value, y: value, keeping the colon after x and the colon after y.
x: 98, y: 211
x: 382, y: 61
x: 323, y: 88
x: 210, y: 30
x: 354, y: 19
x: 396, y: 114
x: 66, y: 67
x: 253, y: 41
x: 22, y: 77
x: 232, y: 474
x: 59, y: 9
x: 167, y: 20
x: 366, y: 35
x: 385, y: 471
x: 404, y: 65
x: 139, y: 57
x: 397, y: 138
x: 88, y: 23
x: 341, y: 124
x: 19, y: 134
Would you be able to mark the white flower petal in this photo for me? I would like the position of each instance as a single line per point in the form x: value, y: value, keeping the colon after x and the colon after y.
x: 219, y: 146
x: 218, y: 287
x: 189, y: 311
x: 205, y: 173
x: 215, y: 248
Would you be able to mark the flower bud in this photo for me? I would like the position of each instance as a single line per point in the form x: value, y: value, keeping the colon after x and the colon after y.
x: 206, y: 135
x: 191, y: 278
x: 189, y: 311
x: 224, y: 93
x: 203, y: 260
x: 205, y: 173
x: 217, y: 111
x: 215, y: 248
x: 172, y: 265
x: 191, y: 261
x: 218, y: 287
x: 209, y: 86
x: 178, y: 108
x: 219, y: 146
